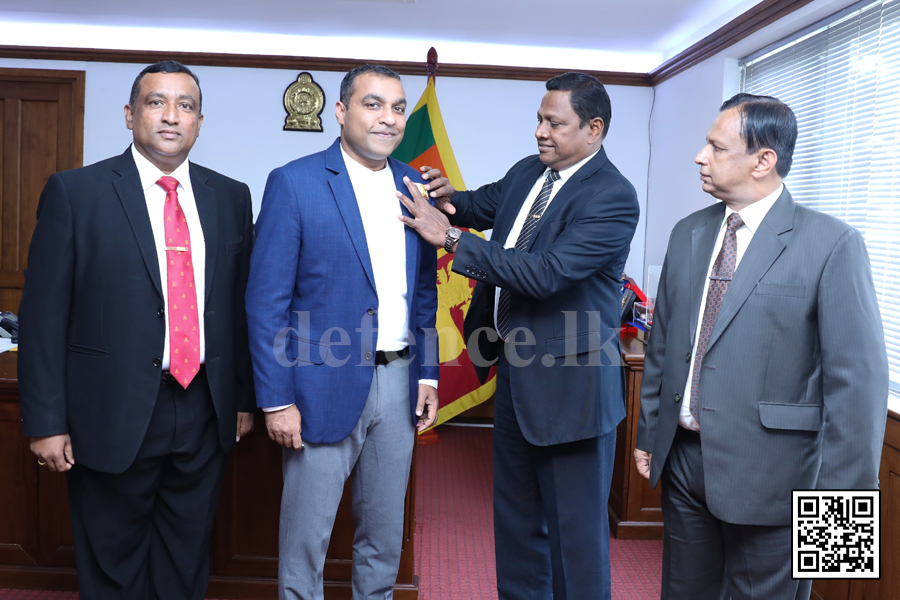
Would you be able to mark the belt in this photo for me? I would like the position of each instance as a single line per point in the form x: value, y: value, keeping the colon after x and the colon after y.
x: 383, y: 358
x: 689, y: 434
x: 168, y: 379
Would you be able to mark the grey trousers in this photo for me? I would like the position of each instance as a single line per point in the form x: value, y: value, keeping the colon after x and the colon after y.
x: 376, y: 457
x: 708, y: 559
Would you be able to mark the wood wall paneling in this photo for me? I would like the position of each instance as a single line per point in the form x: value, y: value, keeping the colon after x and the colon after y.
x: 41, y: 132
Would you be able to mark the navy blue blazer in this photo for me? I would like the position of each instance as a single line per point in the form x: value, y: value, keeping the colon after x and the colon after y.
x: 566, y: 290
x: 312, y: 308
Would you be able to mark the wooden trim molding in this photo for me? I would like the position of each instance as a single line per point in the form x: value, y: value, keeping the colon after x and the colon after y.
x: 763, y: 14
x: 305, y: 63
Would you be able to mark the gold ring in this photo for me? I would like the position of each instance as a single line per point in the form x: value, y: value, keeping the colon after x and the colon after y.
x: 41, y: 463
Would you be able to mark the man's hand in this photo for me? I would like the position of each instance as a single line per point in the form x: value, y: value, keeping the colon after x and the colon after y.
x: 642, y: 462
x: 440, y: 189
x: 429, y: 222
x: 244, y: 424
x: 55, y: 451
x: 284, y: 427
x: 426, y: 407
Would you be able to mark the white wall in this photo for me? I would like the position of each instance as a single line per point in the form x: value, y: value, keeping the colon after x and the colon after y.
x: 685, y: 107
x: 490, y: 123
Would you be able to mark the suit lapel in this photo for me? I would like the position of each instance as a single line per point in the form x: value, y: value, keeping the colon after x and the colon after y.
x: 412, y: 238
x: 345, y: 199
x: 205, y: 197
x: 131, y: 195
x: 518, y: 194
x: 568, y: 189
x: 703, y: 240
x: 765, y: 247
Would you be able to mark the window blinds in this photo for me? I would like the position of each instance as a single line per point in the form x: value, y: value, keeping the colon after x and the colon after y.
x: 842, y: 79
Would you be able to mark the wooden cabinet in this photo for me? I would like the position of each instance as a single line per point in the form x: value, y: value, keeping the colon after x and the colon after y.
x: 888, y: 587
x: 36, y: 534
x: 634, y: 507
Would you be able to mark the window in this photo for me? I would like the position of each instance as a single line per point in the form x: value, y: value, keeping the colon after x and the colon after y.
x: 842, y: 79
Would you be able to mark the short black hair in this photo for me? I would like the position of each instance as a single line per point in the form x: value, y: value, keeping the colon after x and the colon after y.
x: 164, y: 66
x: 766, y: 122
x: 350, y: 79
x: 587, y: 96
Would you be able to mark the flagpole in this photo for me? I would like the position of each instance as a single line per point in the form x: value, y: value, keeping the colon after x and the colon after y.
x: 431, y: 436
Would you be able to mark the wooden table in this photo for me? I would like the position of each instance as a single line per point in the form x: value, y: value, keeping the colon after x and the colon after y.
x: 36, y: 535
x: 634, y: 507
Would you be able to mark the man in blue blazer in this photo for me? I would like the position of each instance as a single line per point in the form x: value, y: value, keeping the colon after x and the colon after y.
x: 549, y: 286
x: 341, y: 307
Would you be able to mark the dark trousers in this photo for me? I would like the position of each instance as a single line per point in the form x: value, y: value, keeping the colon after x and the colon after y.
x: 707, y: 559
x: 551, y: 528
x: 144, y: 534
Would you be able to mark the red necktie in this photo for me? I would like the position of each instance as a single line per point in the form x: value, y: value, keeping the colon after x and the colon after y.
x: 184, y: 325
x: 722, y: 272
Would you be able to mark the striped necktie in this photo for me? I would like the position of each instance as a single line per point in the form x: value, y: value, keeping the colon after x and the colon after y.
x: 522, y: 242
x: 722, y: 272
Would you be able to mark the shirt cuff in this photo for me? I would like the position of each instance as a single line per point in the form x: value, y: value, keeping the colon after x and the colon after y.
x: 276, y: 408
x: 431, y: 382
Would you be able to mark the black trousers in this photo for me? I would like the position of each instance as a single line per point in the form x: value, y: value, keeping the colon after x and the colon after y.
x: 551, y: 527
x: 144, y: 534
x: 708, y: 559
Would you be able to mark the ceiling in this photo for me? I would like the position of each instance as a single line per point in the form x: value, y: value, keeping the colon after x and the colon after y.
x: 612, y: 35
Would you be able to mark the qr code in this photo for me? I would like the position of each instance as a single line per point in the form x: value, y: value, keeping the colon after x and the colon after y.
x: 836, y: 534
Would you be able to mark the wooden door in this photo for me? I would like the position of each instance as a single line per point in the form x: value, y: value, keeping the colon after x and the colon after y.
x: 42, y: 131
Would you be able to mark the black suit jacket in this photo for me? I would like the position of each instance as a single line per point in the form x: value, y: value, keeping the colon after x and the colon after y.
x: 92, y: 318
x: 566, y: 290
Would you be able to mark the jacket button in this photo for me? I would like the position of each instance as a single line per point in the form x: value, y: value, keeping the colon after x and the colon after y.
x: 687, y: 357
x: 370, y: 312
x: 677, y: 398
x: 161, y: 312
x: 157, y: 362
x: 368, y: 356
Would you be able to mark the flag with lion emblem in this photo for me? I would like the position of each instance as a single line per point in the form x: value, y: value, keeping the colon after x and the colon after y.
x: 426, y: 143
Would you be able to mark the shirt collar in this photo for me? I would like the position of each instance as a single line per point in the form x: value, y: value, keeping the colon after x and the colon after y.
x: 150, y: 173
x: 564, y: 174
x: 753, y: 214
x: 356, y: 170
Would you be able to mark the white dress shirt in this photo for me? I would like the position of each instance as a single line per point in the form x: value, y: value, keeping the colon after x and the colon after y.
x: 156, y: 200
x: 513, y: 236
x: 376, y: 196
x: 752, y: 216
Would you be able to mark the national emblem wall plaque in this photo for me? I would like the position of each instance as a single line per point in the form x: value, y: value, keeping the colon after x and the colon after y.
x: 304, y: 101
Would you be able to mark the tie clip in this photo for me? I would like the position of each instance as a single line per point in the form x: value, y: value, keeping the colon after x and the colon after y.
x: 534, y: 217
x: 712, y: 278
x: 176, y: 248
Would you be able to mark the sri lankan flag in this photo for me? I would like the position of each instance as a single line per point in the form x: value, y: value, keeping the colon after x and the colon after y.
x: 426, y: 143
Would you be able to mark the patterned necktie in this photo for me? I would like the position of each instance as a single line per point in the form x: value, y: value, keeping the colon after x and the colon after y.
x: 723, y: 270
x: 184, y: 324
x: 534, y: 215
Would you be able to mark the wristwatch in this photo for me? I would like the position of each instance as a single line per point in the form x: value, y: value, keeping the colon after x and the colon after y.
x: 453, y: 235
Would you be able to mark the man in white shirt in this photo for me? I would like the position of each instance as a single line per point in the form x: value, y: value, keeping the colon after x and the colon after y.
x: 134, y: 364
x: 546, y: 310
x: 341, y: 304
x: 766, y: 369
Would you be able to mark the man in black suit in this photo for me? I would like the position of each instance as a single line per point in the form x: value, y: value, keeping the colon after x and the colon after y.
x: 123, y: 385
x: 549, y: 287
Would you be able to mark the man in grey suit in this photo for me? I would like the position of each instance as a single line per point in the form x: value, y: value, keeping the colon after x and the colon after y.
x: 766, y: 369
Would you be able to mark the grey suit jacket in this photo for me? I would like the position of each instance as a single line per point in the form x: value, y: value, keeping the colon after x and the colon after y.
x: 794, y: 386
